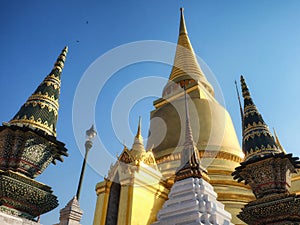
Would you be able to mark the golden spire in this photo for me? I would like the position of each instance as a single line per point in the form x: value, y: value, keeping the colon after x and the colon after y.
x: 40, y: 111
x: 278, y: 142
x: 138, y: 148
x: 182, y: 28
x: 185, y: 65
x: 190, y: 160
x: 138, y: 133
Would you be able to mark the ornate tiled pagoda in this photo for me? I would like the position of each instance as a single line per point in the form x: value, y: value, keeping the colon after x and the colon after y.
x: 268, y: 171
x: 192, y: 200
x: 28, y: 145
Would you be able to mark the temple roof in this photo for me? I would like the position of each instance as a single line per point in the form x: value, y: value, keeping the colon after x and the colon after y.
x: 138, y: 152
x: 185, y: 65
x: 40, y: 111
x: 257, y: 138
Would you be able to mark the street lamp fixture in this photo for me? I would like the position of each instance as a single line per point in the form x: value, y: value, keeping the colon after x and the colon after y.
x: 90, y: 135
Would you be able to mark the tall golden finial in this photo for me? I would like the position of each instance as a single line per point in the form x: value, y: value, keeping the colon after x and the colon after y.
x: 190, y: 160
x: 138, y: 133
x: 182, y: 28
x: 185, y: 65
x: 278, y: 142
x: 241, y: 109
x: 138, y: 149
x: 239, y: 100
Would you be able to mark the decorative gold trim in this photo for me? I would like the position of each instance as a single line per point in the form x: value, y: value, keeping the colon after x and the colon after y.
x: 255, y: 126
x: 262, y: 150
x: 179, y: 94
x: 44, y: 97
x: 42, y: 105
x: 233, y: 197
x: 34, y: 124
x: 253, y: 133
x: 229, y: 183
x: 250, y: 109
x: 58, y: 68
x: 219, y: 172
x: 207, y: 154
x: 295, y: 178
x: 51, y: 82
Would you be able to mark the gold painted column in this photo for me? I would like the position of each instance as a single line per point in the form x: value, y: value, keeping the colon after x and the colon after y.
x: 102, y: 191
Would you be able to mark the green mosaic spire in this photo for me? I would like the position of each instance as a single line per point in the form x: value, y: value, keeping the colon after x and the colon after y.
x: 257, y: 138
x: 40, y: 111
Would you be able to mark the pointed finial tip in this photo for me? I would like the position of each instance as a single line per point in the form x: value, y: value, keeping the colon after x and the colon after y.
x: 138, y: 134
x: 243, y: 82
x: 274, y: 131
x: 140, y: 122
x: 66, y: 48
x: 245, y: 90
x: 182, y: 28
x: 181, y: 9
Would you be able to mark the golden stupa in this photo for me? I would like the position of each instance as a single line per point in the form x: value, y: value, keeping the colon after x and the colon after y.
x: 212, y: 128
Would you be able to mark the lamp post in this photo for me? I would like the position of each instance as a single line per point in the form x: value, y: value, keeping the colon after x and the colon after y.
x: 90, y: 135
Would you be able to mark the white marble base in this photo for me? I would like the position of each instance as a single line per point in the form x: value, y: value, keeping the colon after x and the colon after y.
x: 193, y: 201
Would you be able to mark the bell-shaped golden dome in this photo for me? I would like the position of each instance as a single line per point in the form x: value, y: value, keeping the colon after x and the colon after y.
x: 212, y: 128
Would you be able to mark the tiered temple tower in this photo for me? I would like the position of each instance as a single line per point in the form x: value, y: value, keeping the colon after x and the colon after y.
x: 268, y: 170
x: 28, y: 145
x: 213, y: 131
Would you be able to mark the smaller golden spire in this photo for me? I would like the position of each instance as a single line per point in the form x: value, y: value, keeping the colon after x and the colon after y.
x: 138, y: 139
x: 239, y: 100
x: 138, y: 133
x: 190, y: 160
x: 138, y: 149
x: 278, y: 142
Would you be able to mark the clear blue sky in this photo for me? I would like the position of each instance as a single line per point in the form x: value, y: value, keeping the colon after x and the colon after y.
x: 259, y: 39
